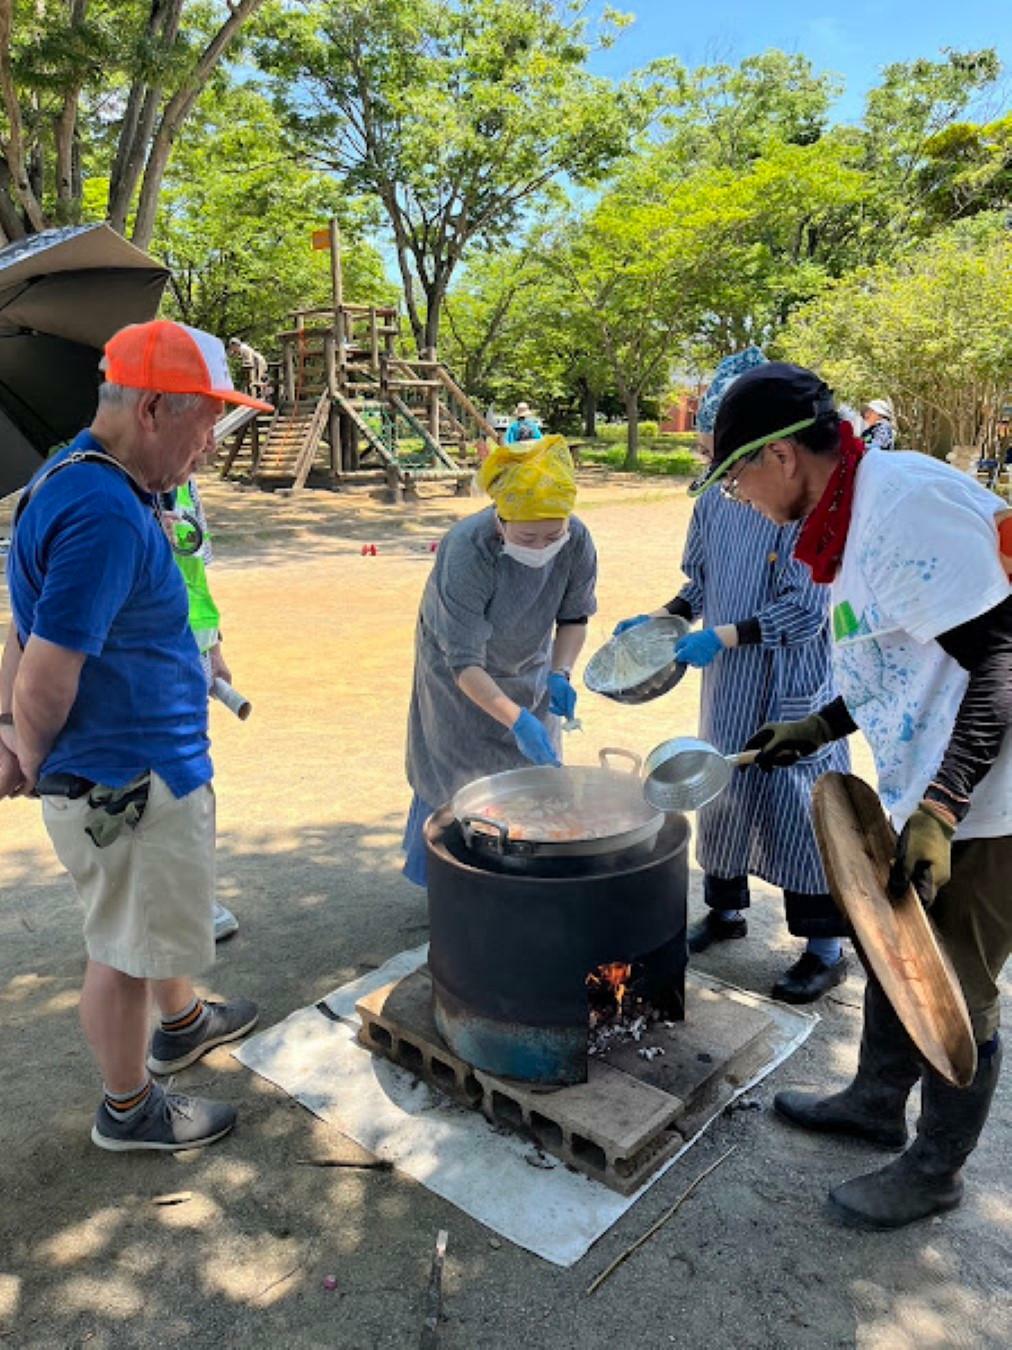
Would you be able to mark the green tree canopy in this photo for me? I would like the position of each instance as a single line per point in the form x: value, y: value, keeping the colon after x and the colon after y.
x: 903, y: 133
x: 236, y: 219
x: 967, y: 168
x: 101, y: 88
x: 723, y: 116
x: 456, y: 116
x: 932, y: 331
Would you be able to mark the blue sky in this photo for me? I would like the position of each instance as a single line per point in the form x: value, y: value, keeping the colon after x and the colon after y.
x: 854, y: 38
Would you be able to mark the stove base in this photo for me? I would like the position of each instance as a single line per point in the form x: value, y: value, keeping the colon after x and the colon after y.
x: 631, y: 1114
x: 555, y: 1055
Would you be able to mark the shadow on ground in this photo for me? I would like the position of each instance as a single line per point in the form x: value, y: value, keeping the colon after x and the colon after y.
x: 89, y: 1258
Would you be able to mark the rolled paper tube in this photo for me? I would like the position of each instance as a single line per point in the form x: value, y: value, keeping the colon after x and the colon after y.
x: 232, y: 699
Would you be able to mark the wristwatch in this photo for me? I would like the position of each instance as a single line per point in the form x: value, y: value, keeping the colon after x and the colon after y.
x: 561, y: 670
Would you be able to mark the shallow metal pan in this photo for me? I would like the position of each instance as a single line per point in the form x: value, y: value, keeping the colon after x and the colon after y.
x: 540, y: 811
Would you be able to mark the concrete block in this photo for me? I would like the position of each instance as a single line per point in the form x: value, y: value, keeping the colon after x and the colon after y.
x: 630, y: 1116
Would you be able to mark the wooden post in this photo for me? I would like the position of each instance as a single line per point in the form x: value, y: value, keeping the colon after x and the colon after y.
x: 289, y: 360
x: 334, y: 439
x: 333, y: 421
x: 384, y: 379
x: 394, y: 489
x: 373, y: 338
x: 330, y: 362
x: 337, y: 280
x: 430, y: 355
x: 340, y: 334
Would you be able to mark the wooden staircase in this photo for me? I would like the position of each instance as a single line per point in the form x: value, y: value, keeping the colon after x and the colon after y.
x: 293, y: 438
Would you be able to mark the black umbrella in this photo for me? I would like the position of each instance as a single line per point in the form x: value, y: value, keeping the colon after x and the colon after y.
x: 63, y: 293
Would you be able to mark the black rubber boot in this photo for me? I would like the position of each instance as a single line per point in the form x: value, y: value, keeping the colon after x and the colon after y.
x: 873, y: 1106
x: 927, y: 1179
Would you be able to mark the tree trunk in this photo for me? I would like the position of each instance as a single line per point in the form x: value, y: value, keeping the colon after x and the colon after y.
x: 66, y: 203
x: 588, y: 403
x: 10, y: 222
x: 434, y: 297
x: 162, y: 29
x: 632, y: 444
x: 12, y: 146
x: 178, y: 108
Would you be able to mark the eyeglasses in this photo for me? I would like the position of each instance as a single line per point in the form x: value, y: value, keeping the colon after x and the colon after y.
x: 730, y: 487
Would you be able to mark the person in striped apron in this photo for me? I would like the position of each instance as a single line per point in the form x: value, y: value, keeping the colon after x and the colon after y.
x: 765, y: 656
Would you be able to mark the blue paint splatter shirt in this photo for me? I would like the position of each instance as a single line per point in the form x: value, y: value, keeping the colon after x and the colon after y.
x: 921, y: 559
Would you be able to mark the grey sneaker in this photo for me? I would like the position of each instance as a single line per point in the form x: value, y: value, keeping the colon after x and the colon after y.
x: 168, y: 1122
x: 225, y: 923
x: 227, y: 1022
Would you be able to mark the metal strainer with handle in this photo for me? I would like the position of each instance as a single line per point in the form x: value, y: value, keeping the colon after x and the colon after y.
x: 684, y: 774
x: 638, y: 664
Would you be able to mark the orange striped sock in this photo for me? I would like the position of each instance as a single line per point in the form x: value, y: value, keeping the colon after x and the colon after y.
x: 124, y: 1105
x: 186, y: 1020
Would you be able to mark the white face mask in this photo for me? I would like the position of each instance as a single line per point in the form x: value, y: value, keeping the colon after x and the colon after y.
x: 535, y: 557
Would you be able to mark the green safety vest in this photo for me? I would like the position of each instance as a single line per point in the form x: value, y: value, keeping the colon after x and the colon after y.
x: 205, y: 618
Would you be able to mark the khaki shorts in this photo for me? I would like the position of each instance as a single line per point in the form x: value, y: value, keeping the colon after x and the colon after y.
x: 973, y: 916
x: 148, y: 897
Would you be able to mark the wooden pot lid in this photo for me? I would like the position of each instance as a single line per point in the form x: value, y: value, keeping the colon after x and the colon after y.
x: 858, y: 844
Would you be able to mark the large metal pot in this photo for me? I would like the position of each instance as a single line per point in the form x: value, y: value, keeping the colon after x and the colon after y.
x: 637, y: 665
x: 547, y: 812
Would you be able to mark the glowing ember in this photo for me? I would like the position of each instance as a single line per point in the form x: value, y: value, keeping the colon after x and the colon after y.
x: 611, y: 979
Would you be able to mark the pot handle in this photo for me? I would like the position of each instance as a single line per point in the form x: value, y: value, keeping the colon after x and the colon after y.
x: 500, y: 832
x: 743, y: 760
x: 605, y: 751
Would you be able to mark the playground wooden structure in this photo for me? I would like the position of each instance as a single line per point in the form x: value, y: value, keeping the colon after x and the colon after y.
x: 350, y: 409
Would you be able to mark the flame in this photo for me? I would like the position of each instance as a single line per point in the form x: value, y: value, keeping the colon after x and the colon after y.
x: 614, y: 976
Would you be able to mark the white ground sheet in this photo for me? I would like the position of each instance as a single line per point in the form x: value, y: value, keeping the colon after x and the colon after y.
x: 455, y: 1152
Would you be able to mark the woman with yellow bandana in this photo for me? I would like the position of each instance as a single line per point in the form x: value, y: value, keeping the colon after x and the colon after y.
x: 502, y: 620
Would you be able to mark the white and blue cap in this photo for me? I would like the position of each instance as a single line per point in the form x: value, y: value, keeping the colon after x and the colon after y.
x: 723, y: 377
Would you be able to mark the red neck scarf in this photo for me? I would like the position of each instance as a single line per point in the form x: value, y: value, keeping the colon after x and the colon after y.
x: 823, y: 536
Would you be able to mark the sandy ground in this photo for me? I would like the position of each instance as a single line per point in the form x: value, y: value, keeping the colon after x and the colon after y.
x: 312, y: 795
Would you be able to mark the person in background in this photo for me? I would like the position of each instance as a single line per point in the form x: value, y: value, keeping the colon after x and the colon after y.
x: 253, y: 365
x: 191, y: 540
x: 764, y: 652
x: 103, y: 714
x: 909, y: 550
x: 878, y: 418
x: 524, y: 427
x: 502, y: 620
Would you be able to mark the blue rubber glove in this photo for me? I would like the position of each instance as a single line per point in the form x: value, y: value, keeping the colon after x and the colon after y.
x: 533, y: 741
x: 630, y: 623
x: 698, y: 649
x: 561, y: 695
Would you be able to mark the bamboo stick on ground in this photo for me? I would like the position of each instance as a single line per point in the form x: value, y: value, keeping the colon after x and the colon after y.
x: 596, y: 1283
x: 434, y: 1295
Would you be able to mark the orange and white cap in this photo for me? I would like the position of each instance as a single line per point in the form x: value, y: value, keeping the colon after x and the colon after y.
x: 172, y: 358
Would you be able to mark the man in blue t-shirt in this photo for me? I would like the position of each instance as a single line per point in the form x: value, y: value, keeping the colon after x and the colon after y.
x: 103, y: 714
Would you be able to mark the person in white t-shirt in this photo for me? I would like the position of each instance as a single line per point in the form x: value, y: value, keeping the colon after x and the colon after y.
x: 253, y: 365
x: 922, y: 627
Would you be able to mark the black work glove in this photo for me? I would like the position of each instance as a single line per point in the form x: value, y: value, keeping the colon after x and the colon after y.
x: 782, y: 744
x: 923, y: 855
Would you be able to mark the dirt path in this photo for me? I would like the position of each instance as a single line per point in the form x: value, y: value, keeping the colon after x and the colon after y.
x: 311, y: 798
